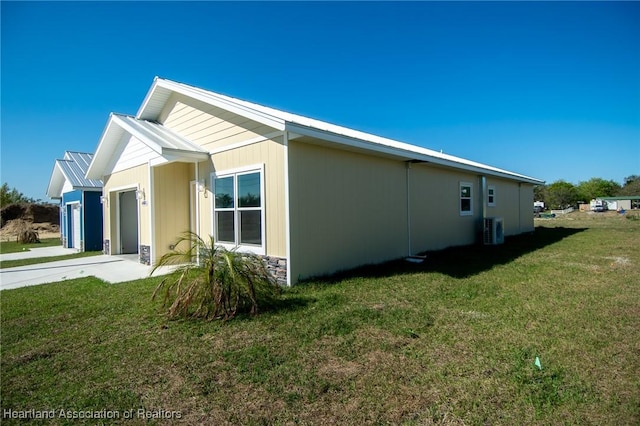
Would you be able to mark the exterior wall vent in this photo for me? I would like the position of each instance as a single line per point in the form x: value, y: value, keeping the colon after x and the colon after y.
x: 493, y: 230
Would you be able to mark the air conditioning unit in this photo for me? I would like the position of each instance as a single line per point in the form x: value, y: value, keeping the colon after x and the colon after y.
x: 493, y: 230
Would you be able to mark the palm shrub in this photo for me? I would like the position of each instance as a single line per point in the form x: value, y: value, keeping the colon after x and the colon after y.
x: 212, y: 282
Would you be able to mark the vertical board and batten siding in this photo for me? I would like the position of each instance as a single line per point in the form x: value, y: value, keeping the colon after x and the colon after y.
x: 526, y: 208
x: 436, y: 222
x: 170, y: 204
x: 208, y: 126
x: 133, y: 178
x: 271, y: 154
x: 514, y: 203
x: 346, y: 209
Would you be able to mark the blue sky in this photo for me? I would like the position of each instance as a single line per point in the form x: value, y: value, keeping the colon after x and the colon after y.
x: 549, y: 90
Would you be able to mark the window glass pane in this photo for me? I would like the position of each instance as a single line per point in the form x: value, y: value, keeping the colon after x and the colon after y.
x: 224, y: 192
x: 225, y: 226
x: 465, y: 205
x: 249, y: 190
x: 251, y: 227
x: 465, y: 191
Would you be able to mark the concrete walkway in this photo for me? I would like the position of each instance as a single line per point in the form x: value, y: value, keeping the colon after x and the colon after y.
x: 112, y: 269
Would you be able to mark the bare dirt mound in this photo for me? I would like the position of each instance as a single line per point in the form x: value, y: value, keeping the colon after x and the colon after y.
x: 42, y: 218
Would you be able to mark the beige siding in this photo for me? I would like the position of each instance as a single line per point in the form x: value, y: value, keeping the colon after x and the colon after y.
x: 526, y: 208
x: 271, y: 154
x: 347, y: 209
x: 171, y: 204
x: 209, y: 126
x: 436, y: 222
x: 136, y: 177
x: 514, y: 203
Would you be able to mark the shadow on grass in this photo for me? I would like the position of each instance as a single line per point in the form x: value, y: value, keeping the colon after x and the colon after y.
x: 464, y: 261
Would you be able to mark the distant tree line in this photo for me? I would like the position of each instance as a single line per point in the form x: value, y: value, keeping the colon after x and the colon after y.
x: 561, y: 194
x: 12, y: 196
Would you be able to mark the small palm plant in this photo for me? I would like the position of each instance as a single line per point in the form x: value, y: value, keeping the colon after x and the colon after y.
x: 212, y: 282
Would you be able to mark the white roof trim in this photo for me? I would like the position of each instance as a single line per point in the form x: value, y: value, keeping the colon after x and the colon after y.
x: 151, y: 106
x: 161, y: 91
x: 71, y: 170
x: 165, y: 143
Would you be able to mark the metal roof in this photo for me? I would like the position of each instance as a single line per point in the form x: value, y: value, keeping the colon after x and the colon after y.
x: 158, y: 137
x: 165, y: 142
x: 72, y: 168
x: 161, y: 90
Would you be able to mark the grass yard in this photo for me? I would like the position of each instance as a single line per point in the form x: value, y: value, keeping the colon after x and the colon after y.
x: 452, y: 341
x: 14, y: 247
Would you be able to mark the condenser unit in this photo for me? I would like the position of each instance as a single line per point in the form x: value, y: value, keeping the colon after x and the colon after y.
x: 493, y: 230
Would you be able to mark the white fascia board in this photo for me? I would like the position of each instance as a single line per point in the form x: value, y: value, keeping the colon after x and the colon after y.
x: 213, y: 99
x: 405, y: 154
x: 180, y: 154
x: 104, y: 151
x: 140, y: 136
x: 148, y: 97
x: 56, y: 182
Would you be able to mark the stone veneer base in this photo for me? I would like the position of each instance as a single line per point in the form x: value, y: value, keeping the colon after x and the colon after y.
x: 145, y: 255
x: 277, y: 266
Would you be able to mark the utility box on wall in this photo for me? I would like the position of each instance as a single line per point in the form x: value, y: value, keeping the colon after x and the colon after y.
x: 493, y: 230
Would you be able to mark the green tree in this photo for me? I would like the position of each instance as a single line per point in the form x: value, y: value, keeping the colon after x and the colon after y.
x: 631, y: 186
x: 596, y: 188
x: 540, y: 193
x: 10, y: 196
x: 561, y: 194
x: 212, y: 282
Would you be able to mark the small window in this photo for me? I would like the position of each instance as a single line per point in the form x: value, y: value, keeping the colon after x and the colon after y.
x: 491, y: 196
x: 238, y: 210
x: 466, y: 204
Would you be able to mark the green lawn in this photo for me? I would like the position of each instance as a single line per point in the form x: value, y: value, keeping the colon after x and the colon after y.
x: 452, y: 341
x: 14, y: 247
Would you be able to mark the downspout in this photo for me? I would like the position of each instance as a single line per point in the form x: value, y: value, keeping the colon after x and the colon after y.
x: 151, y: 206
x: 287, y: 213
x: 197, y: 206
x: 483, y: 196
x: 408, y: 169
x: 483, y: 204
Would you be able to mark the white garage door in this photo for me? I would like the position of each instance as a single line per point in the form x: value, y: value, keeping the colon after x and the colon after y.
x: 76, y: 226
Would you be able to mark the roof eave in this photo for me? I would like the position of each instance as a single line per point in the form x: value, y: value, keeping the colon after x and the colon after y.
x: 152, y: 113
x: 404, y: 154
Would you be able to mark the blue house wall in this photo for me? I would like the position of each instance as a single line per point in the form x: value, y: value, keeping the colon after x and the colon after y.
x: 90, y: 219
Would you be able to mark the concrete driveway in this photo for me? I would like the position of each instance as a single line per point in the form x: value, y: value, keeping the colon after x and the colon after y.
x: 112, y: 269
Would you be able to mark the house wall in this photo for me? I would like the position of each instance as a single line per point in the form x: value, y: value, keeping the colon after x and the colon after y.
x: 271, y: 154
x: 170, y: 203
x: 134, y: 153
x: 346, y: 209
x: 92, y: 221
x: 436, y: 222
x: 130, y: 179
x: 209, y: 126
x: 71, y: 197
x: 526, y: 211
x: 513, y: 202
x: 349, y: 209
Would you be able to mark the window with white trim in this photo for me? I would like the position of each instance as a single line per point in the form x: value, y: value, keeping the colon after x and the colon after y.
x: 238, y: 206
x: 466, y: 201
x: 491, y: 196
